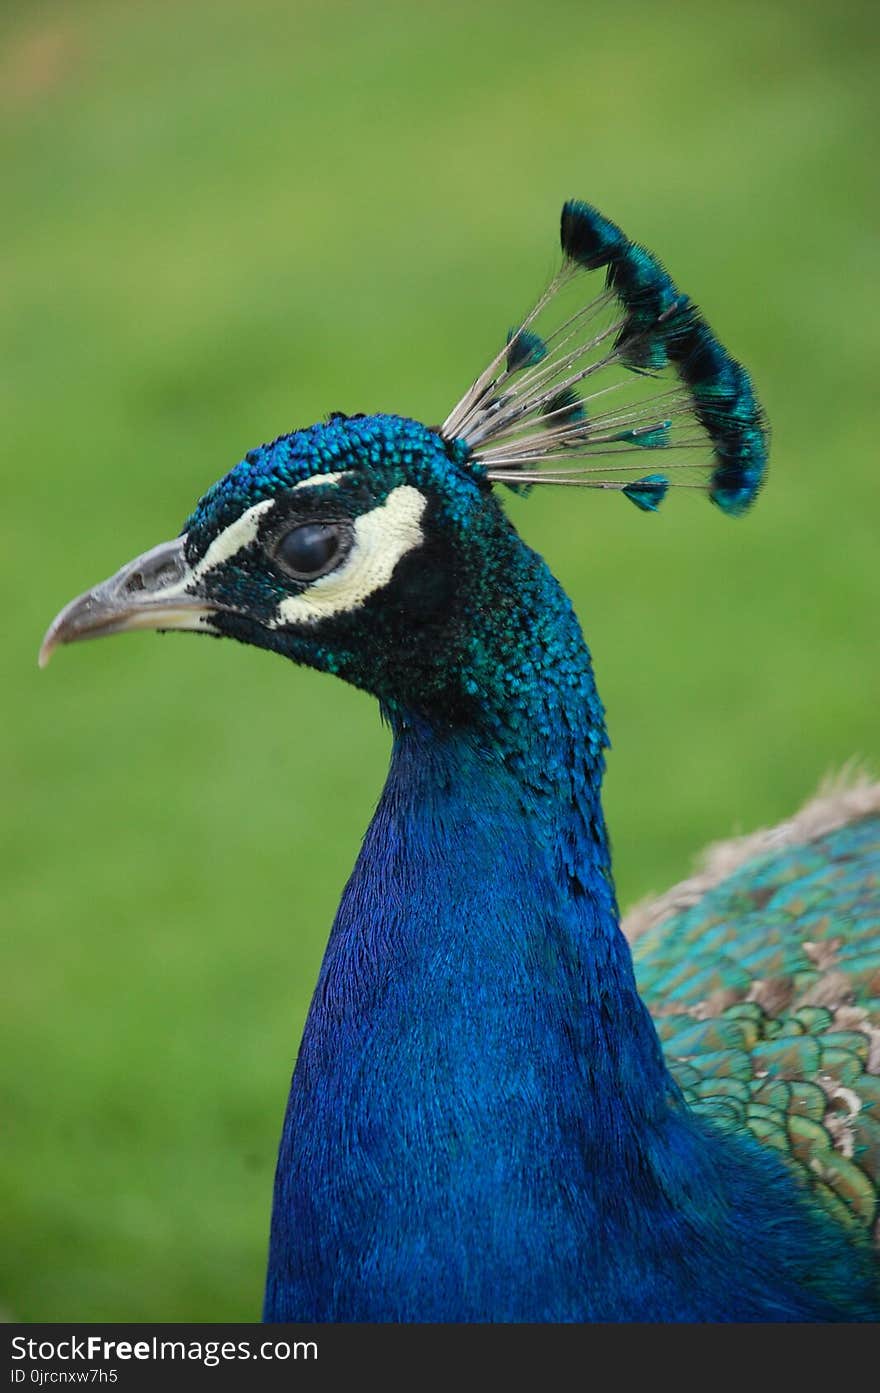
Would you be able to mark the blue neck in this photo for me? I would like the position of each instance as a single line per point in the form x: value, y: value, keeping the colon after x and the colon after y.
x: 506, y: 931
x: 475, y: 1023
x: 481, y: 1125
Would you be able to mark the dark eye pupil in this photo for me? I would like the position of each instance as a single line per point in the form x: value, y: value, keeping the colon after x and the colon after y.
x: 310, y: 550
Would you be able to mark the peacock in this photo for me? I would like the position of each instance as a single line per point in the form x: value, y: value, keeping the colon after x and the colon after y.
x: 501, y: 1111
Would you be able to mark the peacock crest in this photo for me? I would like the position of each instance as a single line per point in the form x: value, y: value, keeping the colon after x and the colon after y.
x: 585, y: 388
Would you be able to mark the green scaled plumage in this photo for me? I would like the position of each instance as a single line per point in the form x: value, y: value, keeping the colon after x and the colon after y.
x: 763, y: 976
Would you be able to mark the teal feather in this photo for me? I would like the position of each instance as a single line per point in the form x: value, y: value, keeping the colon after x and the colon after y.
x: 524, y: 350
x: 648, y: 493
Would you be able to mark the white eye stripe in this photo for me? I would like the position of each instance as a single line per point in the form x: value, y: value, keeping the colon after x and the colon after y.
x: 382, y: 537
x: 315, y: 479
x: 232, y: 539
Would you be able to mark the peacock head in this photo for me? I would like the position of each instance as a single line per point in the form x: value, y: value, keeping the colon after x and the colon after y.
x: 366, y: 546
x: 375, y: 548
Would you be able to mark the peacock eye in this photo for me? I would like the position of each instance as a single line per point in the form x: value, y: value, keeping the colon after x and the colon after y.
x: 312, y: 549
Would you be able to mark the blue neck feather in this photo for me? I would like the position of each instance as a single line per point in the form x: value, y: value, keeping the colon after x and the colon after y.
x: 481, y: 1125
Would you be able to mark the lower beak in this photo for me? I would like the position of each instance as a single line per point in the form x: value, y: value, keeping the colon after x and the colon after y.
x: 149, y: 593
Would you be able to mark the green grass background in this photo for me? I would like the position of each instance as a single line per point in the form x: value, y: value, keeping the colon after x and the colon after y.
x: 220, y: 221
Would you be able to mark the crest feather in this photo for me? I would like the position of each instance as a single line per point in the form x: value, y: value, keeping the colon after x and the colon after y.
x: 585, y: 384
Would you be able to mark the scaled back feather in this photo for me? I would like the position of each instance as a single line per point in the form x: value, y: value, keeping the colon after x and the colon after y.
x: 762, y: 973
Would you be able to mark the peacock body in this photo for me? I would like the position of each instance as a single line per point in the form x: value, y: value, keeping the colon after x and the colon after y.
x: 486, y: 1122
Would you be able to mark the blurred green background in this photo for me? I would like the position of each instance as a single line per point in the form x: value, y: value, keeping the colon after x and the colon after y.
x: 222, y: 220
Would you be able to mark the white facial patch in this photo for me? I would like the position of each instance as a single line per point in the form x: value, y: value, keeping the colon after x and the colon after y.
x: 382, y: 538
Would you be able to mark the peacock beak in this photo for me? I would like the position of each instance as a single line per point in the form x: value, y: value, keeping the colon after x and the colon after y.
x: 149, y: 593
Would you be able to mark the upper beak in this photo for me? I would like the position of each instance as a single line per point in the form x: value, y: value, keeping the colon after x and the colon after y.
x: 149, y: 593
